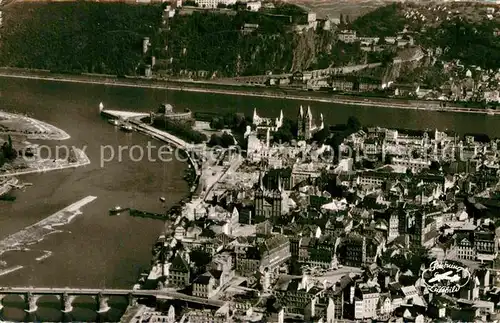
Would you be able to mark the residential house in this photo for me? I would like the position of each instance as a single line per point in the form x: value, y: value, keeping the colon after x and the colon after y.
x: 248, y: 263
x: 366, y: 303
x: 274, y: 251
x: 179, y: 271
x: 208, y: 284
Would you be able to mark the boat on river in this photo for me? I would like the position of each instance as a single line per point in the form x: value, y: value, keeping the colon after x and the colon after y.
x: 126, y: 127
x: 116, y: 210
x: 114, y: 122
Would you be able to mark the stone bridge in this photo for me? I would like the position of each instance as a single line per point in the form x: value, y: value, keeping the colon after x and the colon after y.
x: 30, y: 295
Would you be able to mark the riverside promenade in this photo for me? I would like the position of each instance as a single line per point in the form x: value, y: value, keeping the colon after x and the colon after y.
x: 241, y: 90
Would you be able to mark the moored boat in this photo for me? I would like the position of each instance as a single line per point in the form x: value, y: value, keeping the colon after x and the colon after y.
x: 114, y: 122
x: 116, y: 210
x: 126, y: 127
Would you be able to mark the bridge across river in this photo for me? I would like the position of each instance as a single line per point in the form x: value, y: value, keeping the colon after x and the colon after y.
x: 67, y: 295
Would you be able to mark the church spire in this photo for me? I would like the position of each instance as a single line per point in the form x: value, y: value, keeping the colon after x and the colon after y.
x: 301, y: 112
x: 309, y: 114
x: 255, y: 116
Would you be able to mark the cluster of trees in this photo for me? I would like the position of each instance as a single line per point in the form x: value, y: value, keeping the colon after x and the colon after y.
x: 183, y: 130
x: 234, y: 121
x: 287, y: 132
x: 472, y: 43
x: 214, y: 42
x: 353, y: 125
x: 237, y: 122
x: 225, y: 140
x: 341, y: 54
x: 383, y: 21
x: 78, y: 37
x: 7, y: 152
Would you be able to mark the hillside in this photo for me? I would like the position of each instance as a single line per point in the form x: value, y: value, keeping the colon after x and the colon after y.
x: 384, y: 21
x: 215, y: 42
x: 77, y: 37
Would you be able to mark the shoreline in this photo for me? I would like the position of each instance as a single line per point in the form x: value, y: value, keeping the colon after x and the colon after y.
x: 83, y: 160
x: 36, y: 232
x: 194, y: 86
x: 41, y: 130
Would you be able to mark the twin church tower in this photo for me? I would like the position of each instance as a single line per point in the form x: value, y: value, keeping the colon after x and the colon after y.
x: 305, y: 124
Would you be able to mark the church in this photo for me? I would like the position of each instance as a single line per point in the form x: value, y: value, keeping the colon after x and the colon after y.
x: 271, y: 203
x: 305, y: 127
x: 267, y: 123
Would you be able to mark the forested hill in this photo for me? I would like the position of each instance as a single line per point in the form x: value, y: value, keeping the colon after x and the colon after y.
x: 77, y: 37
x: 472, y: 43
x: 107, y: 38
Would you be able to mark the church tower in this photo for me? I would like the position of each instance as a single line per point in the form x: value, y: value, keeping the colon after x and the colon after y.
x: 308, y: 124
x: 300, y: 124
x: 259, y: 197
x: 304, y: 124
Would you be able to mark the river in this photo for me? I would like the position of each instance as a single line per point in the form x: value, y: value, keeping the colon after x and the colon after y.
x: 96, y: 250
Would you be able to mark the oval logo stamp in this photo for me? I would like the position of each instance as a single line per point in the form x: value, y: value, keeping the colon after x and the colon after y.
x: 445, y: 277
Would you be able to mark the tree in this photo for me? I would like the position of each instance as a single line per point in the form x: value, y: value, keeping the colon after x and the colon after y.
x: 321, y: 136
x: 215, y: 141
x: 8, y: 151
x: 227, y: 140
x: 341, y: 19
x: 283, y: 135
x: 217, y: 123
x: 200, y: 258
x: 353, y: 124
x: 435, y: 166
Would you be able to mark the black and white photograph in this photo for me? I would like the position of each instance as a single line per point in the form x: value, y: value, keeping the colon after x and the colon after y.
x: 250, y: 161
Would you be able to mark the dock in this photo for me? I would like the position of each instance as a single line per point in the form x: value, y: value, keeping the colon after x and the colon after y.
x: 146, y: 214
x: 125, y: 115
x: 138, y: 213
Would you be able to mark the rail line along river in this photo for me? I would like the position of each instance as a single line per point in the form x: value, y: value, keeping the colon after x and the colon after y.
x: 96, y: 250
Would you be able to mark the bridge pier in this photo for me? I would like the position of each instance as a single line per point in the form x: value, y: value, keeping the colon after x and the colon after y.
x: 2, y: 296
x: 103, y: 303
x: 67, y: 303
x: 131, y: 300
x: 31, y: 302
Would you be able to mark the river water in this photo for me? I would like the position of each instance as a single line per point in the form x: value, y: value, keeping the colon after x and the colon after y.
x: 96, y: 250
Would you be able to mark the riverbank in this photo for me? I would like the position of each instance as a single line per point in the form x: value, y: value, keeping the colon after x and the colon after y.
x: 17, y: 124
x: 241, y: 90
x: 47, y: 165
